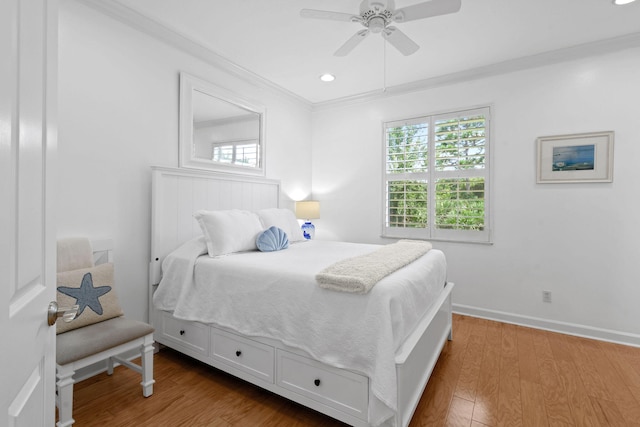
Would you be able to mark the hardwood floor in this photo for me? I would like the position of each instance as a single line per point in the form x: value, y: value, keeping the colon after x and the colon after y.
x: 491, y: 374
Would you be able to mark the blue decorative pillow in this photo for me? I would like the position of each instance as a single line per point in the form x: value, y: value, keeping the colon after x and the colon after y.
x: 272, y: 239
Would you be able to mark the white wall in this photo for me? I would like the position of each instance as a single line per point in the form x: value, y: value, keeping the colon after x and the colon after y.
x: 118, y: 115
x: 578, y: 241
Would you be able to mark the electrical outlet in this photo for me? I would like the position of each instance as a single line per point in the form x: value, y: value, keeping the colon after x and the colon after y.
x: 546, y: 296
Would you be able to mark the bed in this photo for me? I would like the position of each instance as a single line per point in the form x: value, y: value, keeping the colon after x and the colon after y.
x: 363, y: 359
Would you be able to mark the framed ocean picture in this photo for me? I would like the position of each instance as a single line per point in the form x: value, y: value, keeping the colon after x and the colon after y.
x: 581, y: 157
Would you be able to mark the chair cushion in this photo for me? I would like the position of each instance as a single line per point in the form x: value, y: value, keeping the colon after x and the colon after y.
x: 83, y: 342
x: 92, y: 289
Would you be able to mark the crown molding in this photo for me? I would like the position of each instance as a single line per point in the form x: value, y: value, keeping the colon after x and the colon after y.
x: 180, y: 41
x: 174, y: 38
x: 600, y: 47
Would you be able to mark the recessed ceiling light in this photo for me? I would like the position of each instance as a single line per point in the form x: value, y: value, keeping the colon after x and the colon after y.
x: 621, y: 2
x: 327, y: 77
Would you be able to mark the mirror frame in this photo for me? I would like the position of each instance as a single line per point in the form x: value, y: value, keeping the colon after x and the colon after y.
x: 186, y: 157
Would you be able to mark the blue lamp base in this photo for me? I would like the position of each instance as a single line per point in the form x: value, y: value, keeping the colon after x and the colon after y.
x: 308, y: 230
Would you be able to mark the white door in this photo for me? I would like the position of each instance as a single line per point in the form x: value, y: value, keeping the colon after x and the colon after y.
x: 28, y: 80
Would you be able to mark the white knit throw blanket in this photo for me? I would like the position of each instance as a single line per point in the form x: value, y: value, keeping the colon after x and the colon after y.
x: 359, y: 274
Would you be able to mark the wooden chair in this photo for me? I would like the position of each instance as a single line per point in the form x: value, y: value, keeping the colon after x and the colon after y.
x: 109, y: 340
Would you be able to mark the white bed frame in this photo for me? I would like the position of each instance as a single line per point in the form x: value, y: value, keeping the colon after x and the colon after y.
x: 289, y: 372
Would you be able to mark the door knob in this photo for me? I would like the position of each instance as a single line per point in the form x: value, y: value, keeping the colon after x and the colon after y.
x: 67, y: 313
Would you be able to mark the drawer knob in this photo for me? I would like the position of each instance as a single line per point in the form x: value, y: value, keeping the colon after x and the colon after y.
x: 238, y: 353
x: 317, y: 382
x: 181, y: 331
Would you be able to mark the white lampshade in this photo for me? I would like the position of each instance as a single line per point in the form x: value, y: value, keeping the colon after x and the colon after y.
x: 308, y: 209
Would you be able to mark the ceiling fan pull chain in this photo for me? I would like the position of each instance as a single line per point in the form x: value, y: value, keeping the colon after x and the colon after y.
x: 384, y: 65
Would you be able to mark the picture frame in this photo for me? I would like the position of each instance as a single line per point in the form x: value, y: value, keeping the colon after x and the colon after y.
x: 575, y: 158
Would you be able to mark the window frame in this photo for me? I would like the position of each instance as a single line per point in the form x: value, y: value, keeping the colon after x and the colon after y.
x: 431, y: 232
x: 233, y: 145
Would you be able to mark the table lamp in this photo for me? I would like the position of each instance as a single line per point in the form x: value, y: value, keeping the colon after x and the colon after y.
x: 308, y: 210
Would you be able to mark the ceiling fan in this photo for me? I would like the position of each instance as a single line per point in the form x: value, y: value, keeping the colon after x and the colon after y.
x: 376, y: 15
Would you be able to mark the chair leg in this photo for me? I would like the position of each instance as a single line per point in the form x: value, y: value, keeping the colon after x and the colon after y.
x: 64, y: 387
x: 146, y: 361
x: 110, y: 366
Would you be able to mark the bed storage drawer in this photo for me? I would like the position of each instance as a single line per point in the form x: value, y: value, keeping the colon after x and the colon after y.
x: 194, y: 336
x: 340, y: 389
x: 244, y: 354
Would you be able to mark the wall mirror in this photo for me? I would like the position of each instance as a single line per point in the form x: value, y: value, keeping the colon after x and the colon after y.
x: 219, y: 130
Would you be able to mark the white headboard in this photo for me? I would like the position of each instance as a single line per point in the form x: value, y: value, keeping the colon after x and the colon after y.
x: 177, y: 193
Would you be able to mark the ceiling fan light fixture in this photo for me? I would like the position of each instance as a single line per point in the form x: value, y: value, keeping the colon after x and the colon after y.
x: 327, y: 77
x: 622, y: 2
x: 376, y: 24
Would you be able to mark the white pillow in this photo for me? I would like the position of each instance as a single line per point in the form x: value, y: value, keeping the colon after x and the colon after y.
x: 283, y: 219
x: 229, y: 231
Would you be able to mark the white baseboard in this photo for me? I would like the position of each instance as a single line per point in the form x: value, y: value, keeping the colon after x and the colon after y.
x: 550, y: 325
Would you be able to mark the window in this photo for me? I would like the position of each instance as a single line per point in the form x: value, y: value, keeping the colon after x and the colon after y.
x: 436, y: 177
x: 243, y: 153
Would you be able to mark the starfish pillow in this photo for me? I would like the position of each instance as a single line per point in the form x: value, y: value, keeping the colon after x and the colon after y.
x: 92, y: 290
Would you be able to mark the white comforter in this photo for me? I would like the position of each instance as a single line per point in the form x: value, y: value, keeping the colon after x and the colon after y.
x: 275, y: 295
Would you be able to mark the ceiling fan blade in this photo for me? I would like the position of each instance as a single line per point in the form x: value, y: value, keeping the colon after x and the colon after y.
x: 333, y: 16
x: 426, y: 10
x: 352, y: 43
x: 400, y: 41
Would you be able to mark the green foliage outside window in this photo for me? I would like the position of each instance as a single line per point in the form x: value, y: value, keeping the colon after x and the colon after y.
x: 460, y: 204
x: 407, y: 149
x: 407, y: 204
x: 460, y: 144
